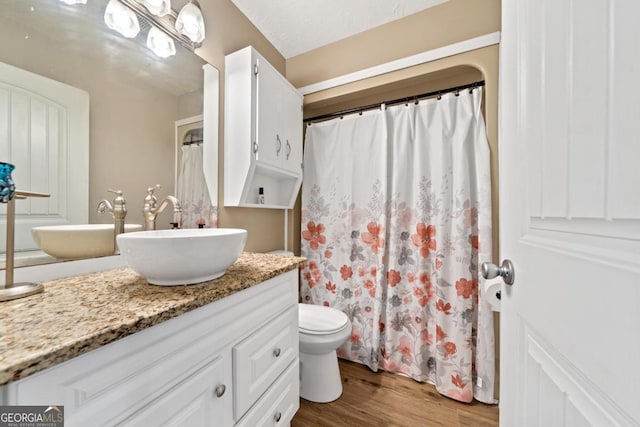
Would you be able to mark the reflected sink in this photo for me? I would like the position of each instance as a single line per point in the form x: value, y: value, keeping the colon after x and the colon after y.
x: 182, y: 257
x: 78, y: 240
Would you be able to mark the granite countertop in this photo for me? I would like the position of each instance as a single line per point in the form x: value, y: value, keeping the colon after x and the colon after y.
x: 78, y: 314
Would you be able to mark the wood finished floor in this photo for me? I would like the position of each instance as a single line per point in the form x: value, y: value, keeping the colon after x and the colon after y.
x: 382, y: 399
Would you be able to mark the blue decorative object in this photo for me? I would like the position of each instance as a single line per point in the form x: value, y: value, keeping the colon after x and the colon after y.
x: 7, y: 186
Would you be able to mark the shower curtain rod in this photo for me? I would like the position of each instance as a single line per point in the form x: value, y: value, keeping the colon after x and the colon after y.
x: 395, y: 101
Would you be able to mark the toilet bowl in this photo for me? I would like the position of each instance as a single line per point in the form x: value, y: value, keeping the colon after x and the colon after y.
x: 321, y: 331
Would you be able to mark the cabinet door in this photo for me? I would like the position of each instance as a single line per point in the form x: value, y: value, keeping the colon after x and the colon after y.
x: 292, y: 158
x: 269, y: 115
x: 196, y: 401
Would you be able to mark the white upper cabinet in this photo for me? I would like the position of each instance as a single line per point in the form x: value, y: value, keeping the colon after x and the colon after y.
x: 263, y: 134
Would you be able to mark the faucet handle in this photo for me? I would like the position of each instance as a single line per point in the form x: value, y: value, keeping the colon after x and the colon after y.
x: 150, y: 200
x: 150, y: 190
x: 119, y: 202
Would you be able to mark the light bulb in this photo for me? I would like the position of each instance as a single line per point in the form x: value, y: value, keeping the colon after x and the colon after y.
x: 72, y: 2
x: 191, y: 23
x: 160, y: 43
x: 120, y: 18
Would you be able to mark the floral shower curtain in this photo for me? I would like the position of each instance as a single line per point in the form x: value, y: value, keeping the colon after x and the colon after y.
x: 193, y: 193
x: 396, y: 219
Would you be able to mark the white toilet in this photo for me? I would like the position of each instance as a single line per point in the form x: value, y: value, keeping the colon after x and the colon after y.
x: 321, y: 331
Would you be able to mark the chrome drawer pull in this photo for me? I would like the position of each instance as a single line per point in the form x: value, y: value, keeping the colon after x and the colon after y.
x: 277, y: 417
x: 276, y: 352
x: 220, y: 390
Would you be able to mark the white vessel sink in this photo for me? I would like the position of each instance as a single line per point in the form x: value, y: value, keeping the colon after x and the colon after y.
x: 182, y: 257
x: 78, y: 240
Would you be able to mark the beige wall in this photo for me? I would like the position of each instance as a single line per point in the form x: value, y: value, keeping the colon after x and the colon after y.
x: 448, y: 23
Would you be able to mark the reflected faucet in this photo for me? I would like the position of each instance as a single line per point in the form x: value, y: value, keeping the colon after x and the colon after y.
x: 151, y: 209
x: 118, y: 210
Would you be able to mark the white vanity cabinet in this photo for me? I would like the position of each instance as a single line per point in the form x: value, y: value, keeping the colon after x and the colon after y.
x: 234, y: 361
x: 263, y: 133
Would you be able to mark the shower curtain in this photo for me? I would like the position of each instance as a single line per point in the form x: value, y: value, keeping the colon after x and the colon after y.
x: 396, y: 219
x: 197, y: 209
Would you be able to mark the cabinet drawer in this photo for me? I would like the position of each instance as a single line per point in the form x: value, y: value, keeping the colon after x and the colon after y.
x: 193, y: 402
x: 262, y: 357
x: 278, y: 406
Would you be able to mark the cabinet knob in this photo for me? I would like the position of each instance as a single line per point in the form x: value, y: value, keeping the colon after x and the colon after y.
x: 255, y: 147
x: 279, y: 145
x: 220, y: 390
x: 277, y: 416
x: 288, y: 149
x: 276, y: 352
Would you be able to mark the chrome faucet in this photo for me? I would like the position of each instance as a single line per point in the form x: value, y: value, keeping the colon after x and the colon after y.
x: 151, y: 209
x: 118, y: 210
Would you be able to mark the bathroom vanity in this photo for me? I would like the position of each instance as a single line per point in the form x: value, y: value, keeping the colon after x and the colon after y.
x: 115, y: 350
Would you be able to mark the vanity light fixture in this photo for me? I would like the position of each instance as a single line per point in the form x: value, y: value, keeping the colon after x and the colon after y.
x: 190, y: 22
x: 72, y: 2
x: 158, y: 7
x: 120, y: 18
x: 173, y: 24
x: 160, y: 43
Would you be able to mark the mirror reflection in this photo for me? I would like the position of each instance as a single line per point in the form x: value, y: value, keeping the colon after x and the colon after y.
x: 107, y: 121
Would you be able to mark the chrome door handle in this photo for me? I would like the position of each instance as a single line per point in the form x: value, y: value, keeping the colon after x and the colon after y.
x: 276, y: 352
x: 288, y: 149
x: 277, y: 416
x: 279, y: 146
x: 506, y: 271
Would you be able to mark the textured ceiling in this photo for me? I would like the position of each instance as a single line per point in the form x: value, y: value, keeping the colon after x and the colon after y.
x: 298, y: 26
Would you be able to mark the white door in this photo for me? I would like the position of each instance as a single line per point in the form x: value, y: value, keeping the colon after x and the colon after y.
x: 570, y: 212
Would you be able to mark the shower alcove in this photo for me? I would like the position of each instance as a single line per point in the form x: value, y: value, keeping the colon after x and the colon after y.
x: 456, y: 70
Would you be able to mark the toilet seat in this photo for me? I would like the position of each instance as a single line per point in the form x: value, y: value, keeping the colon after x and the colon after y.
x: 320, y: 320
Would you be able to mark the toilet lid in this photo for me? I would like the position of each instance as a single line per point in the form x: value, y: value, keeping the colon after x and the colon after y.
x: 320, y: 320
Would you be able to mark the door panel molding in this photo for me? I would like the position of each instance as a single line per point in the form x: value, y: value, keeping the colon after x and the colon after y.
x: 580, y: 399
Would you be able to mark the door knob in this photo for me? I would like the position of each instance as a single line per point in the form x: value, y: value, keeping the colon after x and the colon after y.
x: 506, y: 271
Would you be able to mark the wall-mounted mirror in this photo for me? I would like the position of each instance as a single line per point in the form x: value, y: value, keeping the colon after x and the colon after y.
x: 135, y: 99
